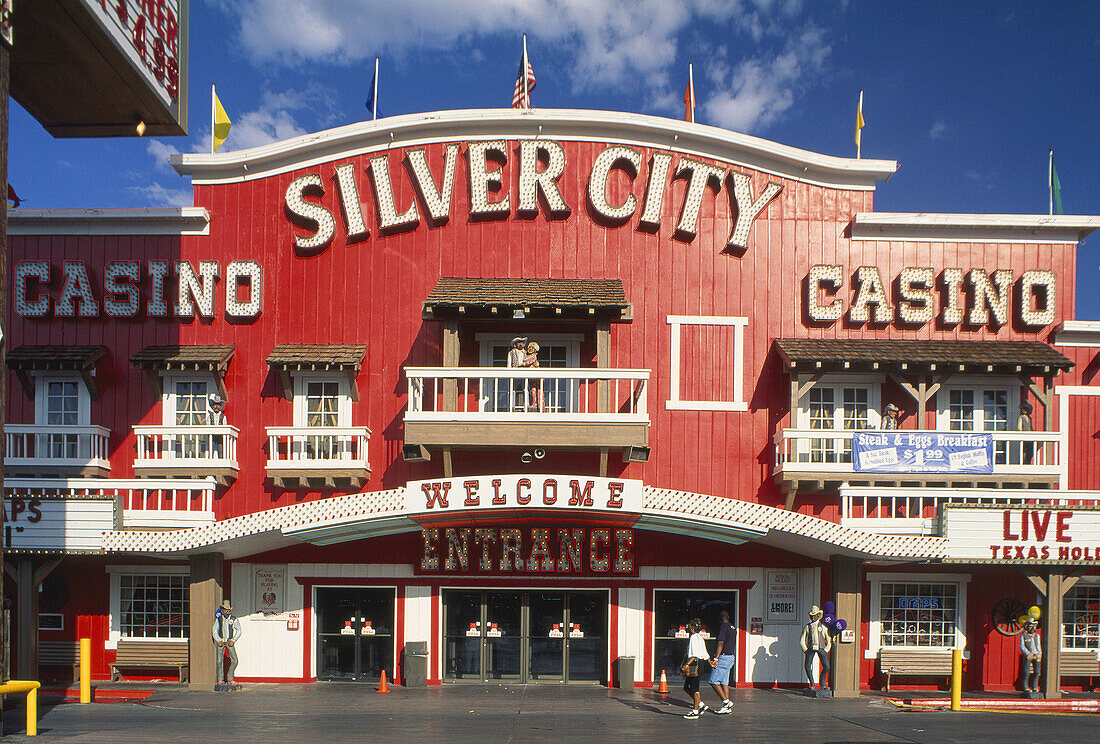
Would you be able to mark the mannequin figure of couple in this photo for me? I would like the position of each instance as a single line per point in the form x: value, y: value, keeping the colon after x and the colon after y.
x: 525, y: 354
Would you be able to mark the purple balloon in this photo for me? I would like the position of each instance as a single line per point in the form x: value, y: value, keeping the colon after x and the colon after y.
x: 840, y: 624
x: 829, y: 608
x: 828, y: 620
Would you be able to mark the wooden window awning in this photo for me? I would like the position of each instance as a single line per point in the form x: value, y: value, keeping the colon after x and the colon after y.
x: 287, y: 358
x: 455, y: 297
x: 862, y: 355
x: 81, y: 359
x: 197, y: 358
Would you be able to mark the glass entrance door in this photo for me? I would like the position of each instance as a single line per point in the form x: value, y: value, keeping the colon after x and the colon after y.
x: 553, y: 636
x: 354, y: 633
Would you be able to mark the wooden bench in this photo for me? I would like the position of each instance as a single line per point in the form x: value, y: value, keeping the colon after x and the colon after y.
x: 134, y: 654
x: 1081, y: 663
x: 60, y: 653
x: 914, y: 662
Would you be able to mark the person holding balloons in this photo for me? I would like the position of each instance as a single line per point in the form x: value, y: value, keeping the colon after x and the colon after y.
x: 816, y: 642
x: 1031, y: 650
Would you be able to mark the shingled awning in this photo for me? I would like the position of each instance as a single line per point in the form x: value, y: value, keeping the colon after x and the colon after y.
x: 82, y: 359
x: 1006, y: 357
x: 539, y: 298
x: 343, y: 358
x: 196, y: 358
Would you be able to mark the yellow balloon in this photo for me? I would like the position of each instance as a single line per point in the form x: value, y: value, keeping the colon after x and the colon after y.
x: 1022, y: 619
x: 1034, y: 612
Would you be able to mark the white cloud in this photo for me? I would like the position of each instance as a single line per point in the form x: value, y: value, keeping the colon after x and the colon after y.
x: 600, y: 43
x: 275, y: 119
x: 156, y: 195
x: 938, y: 131
x: 161, y: 151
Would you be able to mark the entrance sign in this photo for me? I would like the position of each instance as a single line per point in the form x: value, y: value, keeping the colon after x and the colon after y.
x: 1046, y: 535
x: 782, y: 599
x: 537, y: 550
x: 500, y: 492
x: 922, y: 452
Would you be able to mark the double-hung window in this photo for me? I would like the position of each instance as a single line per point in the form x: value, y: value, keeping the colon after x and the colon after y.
x: 837, y: 406
x: 1081, y: 616
x: 981, y: 408
x: 322, y: 402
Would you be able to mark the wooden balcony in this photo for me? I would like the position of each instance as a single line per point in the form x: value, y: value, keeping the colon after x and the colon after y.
x: 44, y: 451
x: 318, y: 456
x: 821, y: 459
x: 917, y: 511
x: 498, y: 407
x: 186, y: 452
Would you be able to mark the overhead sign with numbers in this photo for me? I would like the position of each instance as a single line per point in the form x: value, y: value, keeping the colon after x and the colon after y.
x: 88, y: 68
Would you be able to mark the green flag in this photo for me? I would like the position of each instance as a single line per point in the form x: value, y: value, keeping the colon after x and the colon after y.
x: 1055, y: 187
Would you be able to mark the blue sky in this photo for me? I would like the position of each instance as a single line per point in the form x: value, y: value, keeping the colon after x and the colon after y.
x: 968, y: 97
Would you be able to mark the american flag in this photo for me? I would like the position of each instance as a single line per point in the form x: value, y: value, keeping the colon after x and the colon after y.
x: 521, y: 98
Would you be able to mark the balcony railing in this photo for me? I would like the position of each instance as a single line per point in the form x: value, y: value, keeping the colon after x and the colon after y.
x: 297, y: 453
x: 173, y: 451
x: 57, y: 449
x: 1029, y: 457
x: 913, y: 511
x: 485, y: 394
x: 141, y: 503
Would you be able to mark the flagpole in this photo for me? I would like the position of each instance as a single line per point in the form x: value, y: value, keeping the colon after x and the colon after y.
x: 526, y: 92
x: 374, y: 97
x: 213, y: 98
x: 1050, y: 180
x: 858, y: 138
x: 691, y: 84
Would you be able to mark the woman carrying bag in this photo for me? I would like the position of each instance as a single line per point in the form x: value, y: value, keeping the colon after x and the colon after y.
x: 695, y: 657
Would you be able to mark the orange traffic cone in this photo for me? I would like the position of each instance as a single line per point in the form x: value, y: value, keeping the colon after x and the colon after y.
x: 663, y: 687
x: 382, y: 686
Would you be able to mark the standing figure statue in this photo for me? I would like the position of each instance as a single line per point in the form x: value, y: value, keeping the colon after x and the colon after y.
x: 1024, y: 423
x: 816, y: 641
x: 516, y: 355
x: 534, y: 384
x: 890, y: 419
x: 1031, y: 654
x: 226, y: 632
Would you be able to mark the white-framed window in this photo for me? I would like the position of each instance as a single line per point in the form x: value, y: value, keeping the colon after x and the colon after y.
x: 986, y: 406
x: 726, y: 359
x: 1081, y: 615
x: 838, y: 404
x: 917, y: 611
x: 61, y: 399
x: 149, y: 602
x: 556, y: 350
x: 186, y: 398
x: 323, y: 401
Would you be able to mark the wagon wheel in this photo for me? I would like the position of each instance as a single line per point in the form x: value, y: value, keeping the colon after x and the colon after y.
x: 54, y: 594
x: 1006, y: 615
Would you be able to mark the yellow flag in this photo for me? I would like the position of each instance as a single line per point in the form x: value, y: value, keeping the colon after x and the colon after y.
x: 221, y: 123
x: 859, y: 120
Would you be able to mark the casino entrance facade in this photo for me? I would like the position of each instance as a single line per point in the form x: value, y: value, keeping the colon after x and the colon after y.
x: 723, y: 328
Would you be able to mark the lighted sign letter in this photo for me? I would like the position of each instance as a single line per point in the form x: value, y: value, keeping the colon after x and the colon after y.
x: 511, y: 557
x: 624, y: 558
x: 747, y: 209
x: 235, y: 273
x: 915, y: 286
x: 485, y: 535
x: 540, y: 559
x: 429, y: 536
x: 532, y: 180
x: 438, y: 200
x: 871, y: 292
x: 76, y: 286
x: 458, y: 549
x: 189, y: 287
x: 480, y: 178
x: 570, y: 545
x: 349, y: 200
x: 824, y: 274
x: 1042, y: 285
x: 986, y: 298
x: 310, y: 212
x: 952, y: 307
x: 655, y: 189
x: 629, y: 161
x: 121, y: 278
x: 598, y: 560
x: 388, y: 218
x: 702, y: 175
x: 38, y: 307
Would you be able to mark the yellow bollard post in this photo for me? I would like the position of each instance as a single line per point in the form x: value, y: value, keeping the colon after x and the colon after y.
x: 956, y: 678
x: 32, y: 711
x: 85, y: 670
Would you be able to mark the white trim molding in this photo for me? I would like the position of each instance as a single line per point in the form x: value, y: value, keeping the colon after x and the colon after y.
x: 675, y: 403
x: 1064, y: 393
x: 576, y: 125
x: 147, y: 221
x: 973, y: 228
x: 1084, y: 333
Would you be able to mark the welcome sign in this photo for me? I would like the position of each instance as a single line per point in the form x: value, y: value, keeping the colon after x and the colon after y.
x: 922, y: 452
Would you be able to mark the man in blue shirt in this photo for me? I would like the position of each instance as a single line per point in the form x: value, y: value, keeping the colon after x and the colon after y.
x: 722, y: 663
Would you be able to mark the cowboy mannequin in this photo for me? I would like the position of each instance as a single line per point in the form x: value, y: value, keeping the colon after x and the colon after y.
x: 815, y: 641
x: 1031, y: 653
x: 226, y: 632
